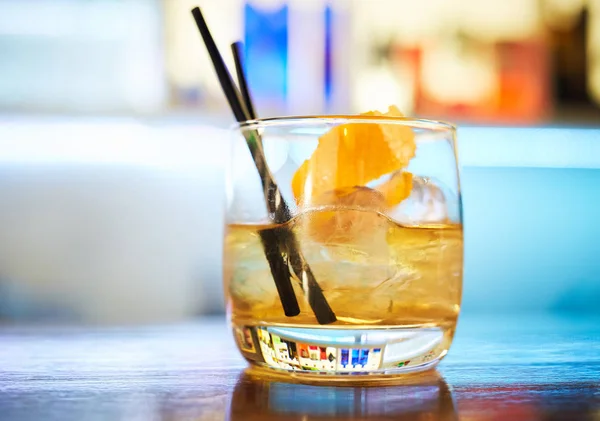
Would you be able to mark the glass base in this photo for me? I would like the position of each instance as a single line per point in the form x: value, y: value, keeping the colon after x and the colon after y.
x: 342, y: 354
x: 364, y: 379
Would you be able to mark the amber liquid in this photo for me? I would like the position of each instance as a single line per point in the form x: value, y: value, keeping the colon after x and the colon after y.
x: 394, y: 289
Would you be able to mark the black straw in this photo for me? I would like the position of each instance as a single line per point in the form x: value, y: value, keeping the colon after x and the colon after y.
x: 236, y: 49
x: 231, y: 92
x: 282, y: 242
x: 279, y: 268
x: 277, y: 207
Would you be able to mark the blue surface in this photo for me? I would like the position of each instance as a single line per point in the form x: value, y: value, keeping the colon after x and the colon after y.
x: 531, y: 239
x: 531, y: 201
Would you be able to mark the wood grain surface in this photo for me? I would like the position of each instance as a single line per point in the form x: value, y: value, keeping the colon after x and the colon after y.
x: 523, y: 367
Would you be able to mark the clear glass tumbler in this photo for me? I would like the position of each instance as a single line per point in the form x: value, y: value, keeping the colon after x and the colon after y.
x: 344, y: 253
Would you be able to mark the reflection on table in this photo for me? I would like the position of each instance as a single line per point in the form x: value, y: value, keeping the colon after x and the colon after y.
x: 255, y: 398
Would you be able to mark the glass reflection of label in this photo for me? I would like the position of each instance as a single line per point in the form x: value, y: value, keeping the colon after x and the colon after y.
x: 344, y: 357
x: 355, y: 358
x: 364, y: 357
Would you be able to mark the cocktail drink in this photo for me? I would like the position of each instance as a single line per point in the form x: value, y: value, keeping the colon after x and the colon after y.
x: 372, y: 253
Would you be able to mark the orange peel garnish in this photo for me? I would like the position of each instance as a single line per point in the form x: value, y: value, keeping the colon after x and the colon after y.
x: 356, y: 154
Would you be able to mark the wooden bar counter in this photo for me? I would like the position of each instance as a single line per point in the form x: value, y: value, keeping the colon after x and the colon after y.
x: 520, y: 367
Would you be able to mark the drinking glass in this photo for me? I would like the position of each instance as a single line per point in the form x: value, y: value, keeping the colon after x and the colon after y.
x: 345, y: 255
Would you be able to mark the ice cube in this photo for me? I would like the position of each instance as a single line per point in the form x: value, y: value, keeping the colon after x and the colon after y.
x: 345, y: 241
x: 356, y: 197
x: 253, y: 289
x: 430, y: 202
x: 246, y: 269
x: 347, y: 215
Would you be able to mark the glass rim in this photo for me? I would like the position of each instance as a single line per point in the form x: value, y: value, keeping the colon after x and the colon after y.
x: 308, y: 120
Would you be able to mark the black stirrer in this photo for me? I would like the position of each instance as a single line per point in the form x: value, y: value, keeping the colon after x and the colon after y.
x: 311, y: 288
x: 277, y: 207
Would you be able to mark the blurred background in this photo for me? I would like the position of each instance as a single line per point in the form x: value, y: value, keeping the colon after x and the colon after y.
x: 506, y: 62
x: 113, y: 133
